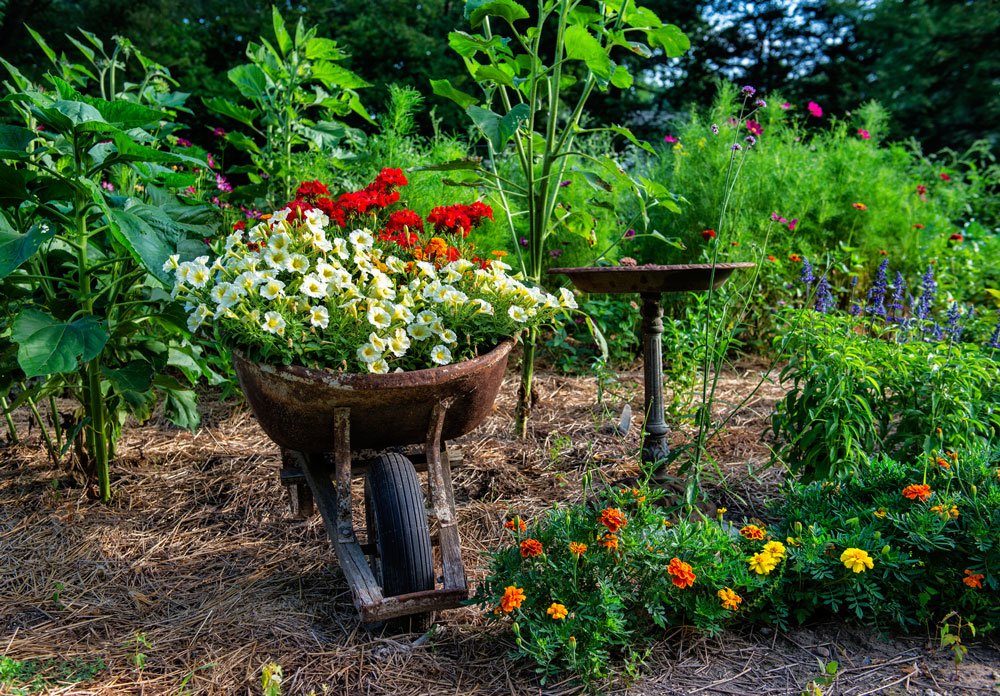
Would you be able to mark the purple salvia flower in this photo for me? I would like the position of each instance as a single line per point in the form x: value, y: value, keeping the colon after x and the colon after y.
x: 898, y: 290
x: 928, y: 289
x: 994, y: 342
x: 807, y: 276
x: 876, y: 295
x: 824, y: 298
x: 953, y: 327
x: 855, y: 310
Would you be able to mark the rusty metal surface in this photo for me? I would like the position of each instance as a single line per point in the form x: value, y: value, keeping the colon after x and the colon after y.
x: 296, y: 405
x: 649, y: 278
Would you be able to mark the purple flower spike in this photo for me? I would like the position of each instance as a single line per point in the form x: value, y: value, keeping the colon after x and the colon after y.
x: 876, y: 296
x: 807, y: 276
x: 824, y: 298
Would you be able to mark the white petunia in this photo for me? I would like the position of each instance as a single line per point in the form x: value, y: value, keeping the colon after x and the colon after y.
x: 313, y: 287
x: 325, y: 271
x: 380, y: 343
x: 199, y: 276
x: 361, y: 238
x: 277, y: 259
x: 280, y: 215
x: 379, y: 367
x: 339, y: 248
x: 482, y: 306
x: 427, y: 269
x: 378, y: 317
x: 198, y: 317
x: 399, y: 342
x: 402, y: 313
x: 419, y: 332
x: 440, y: 355
x: 247, y: 280
x: 368, y: 354
x: 218, y: 291
x: 273, y: 323
x: 279, y: 242
x: 171, y: 264
x: 449, y: 336
x: 319, y: 316
x: 272, y: 289
x: 231, y: 296
x: 320, y: 242
x: 299, y: 263
x: 427, y: 317
x: 437, y: 327
x: 517, y: 313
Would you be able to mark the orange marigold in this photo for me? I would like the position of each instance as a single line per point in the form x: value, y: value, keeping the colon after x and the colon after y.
x: 557, y: 611
x: 730, y: 600
x: 753, y: 532
x: 681, y: 573
x: 917, y: 491
x: 516, y: 524
x: 577, y: 549
x: 512, y: 599
x: 859, y: 206
x: 612, y: 518
x: 609, y: 541
x: 942, y: 462
x: 973, y: 580
x: 531, y: 548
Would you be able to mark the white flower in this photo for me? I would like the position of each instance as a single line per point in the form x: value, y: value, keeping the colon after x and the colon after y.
x: 247, y: 280
x: 339, y: 248
x: 482, y: 306
x: 277, y: 259
x: 234, y: 240
x: 427, y: 317
x: 419, y: 332
x: 313, y: 287
x: 361, y: 238
x: 272, y: 289
x: 171, y: 263
x: 399, y: 342
x: 378, y: 317
x: 437, y: 327
x: 280, y: 215
x: 451, y: 274
x: 368, y: 354
x: 402, y: 313
x: 377, y: 341
x: 218, y: 291
x: 231, y: 297
x: 199, y: 276
x: 259, y: 232
x: 325, y: 271
x: 316, y: 219
x: 273, y: 323
x: 453, y: 298
x: 298, y: 263
x: 320, y: 242
x: 198, y: 317
x: 448, y: 336
x: 426, y: 269
x: 379, y: 367
x: 279, y: 242
x: 319, y: 316
x: 395, y: 264
x: 440, y: 355
x: 517, y: 313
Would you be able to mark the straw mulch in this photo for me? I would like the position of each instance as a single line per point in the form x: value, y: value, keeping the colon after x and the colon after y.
x: 198, y: 565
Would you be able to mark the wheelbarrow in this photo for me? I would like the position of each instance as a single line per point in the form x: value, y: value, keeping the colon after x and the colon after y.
x: 322, y: 420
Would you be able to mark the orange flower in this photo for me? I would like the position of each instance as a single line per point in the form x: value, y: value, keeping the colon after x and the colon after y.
x: 516, y: 524
x: 613, y: 519
x: 730, y: 600
x: 942, y: 462
x: 794, y: 257
x: 637, y: 494
x: 753, y: 533
x: 881, y: 513
x: 859, y: 206
x: 531, y: 548
x: 609, y: 541
x: 917, y: 491
x: 512, y: 599
x: 973, y: 580
x: 577, y: 549
x: 557, y: 611
x: 681, y: 572
x: 771, y: 258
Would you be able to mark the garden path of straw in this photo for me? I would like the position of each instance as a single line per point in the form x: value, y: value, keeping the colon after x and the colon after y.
x: 199, y: 553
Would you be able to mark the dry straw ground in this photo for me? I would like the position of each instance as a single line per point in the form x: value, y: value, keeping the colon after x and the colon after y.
x: 199, y: 554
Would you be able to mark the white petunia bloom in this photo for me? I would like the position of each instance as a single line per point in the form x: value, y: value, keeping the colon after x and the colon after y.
x: 320, y: 242
x: 172, y: 262
x: 313, y: 287
x: 339, y: 248
x: 280, y: 216
x: 368, y: 354
x: 218, y: 291
x: 247, y: 280
x: 198, y: 317
x: 361, y: 238
x: 199, y: 276
x: 319, y: 316
x: 449, y: 336
x: 482, y: 306
x: 399, y: 342
x: 231, y: 297
x: 279, y: 242
x: 402, y: 313
x: 379, y: 367
x: 272, y: 289
x: 426, y: 269
x: 378, y: 317
x: 277, y: 259
x: 316, y: 219
x: 273, y: 323
x: 325, y: 271
x: 440, y: 355
x: 419, y: 332
x: 427, y: 317
x: 566, y: 299
x: 258, y: 233
x: 451, y: 274
x: 380, y: 343
x: 517, y: 313
x: 298, y: 263
x: 437, y: 327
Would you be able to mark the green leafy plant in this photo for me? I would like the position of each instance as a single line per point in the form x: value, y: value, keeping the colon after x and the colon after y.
x: 590, y: 583
x: 81, y: 258
x: 523, y: 95
x: 286, y: 83
x: 23, y: 677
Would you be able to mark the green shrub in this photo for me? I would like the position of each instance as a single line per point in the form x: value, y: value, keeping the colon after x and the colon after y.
x: 930, y: 557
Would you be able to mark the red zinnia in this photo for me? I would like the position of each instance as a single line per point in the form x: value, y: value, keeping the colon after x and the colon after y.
x: 708, y: 234
x: 956, y: 237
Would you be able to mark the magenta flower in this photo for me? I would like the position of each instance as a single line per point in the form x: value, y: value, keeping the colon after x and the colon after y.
x: 669, y: 139
x: 629, y: 233
x: 564, y: 184
x: 755, y: 128
x: 219, y: 132
x: 523, y: 241
x: 775, y: 217
x: 211, y: 161
x: 190, y: 191
x: 786, y: 106
x: 222, y: 184
x: 865, y: 135
x: 792, y: 223
x: 107, y: 186
x: 183, y: 142
x: 814, y: 109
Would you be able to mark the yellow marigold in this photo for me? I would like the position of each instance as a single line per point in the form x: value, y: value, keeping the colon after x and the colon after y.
x: 512, y: 599
x: 762, y: 563
x: 730, y: 600
x: 499, y: 254
x: 953, y: 512
x: 857, y: 560
x: 793, y: 541
x: 612, y: 518
x: 557, y: 611
x: 775, y: 548
x: 753, y: 532
x: 577, y: 549
x: 880, y: 513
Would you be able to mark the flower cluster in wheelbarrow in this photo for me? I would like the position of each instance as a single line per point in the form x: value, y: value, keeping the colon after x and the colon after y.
x: 359, y: 283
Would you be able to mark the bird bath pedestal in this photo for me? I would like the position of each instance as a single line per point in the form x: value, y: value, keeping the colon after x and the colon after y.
x: 650, y: 282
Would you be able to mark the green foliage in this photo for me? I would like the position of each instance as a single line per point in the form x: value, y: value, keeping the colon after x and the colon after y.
x: 925, y: 553
x: 624, y: 589
x: 23, y: 677
x: 81, y: 257
x: 285, y: 83
x: 863, y: 385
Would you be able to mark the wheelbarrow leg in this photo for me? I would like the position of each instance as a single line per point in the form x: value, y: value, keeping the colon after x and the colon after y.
x: 442, y: 497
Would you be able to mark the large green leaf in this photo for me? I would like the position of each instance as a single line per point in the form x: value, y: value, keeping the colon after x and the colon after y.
x: 13, y: 185
x: 468, y: 45
x: 671, y: 39
x: 443, y: 88
x: 179, y: 405
x: 281, y: 34
x: 131, y: 151
x: 149, y: 235
x: 250, y: 80
x: 499, y: 129
x: 14, y: 142
x: 331, y: 74
x: 234, y: 111
x: 47, y: 346
x: 136, y: 376
x: 16, y: 248
x: 582, y: 45
x: 78, y: 112
x: 478, y: 10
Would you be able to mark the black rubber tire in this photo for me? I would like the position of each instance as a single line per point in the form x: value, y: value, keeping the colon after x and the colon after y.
x: 403, y: 559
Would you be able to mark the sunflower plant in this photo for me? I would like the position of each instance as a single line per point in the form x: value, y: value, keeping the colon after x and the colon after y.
x: 357, y: 283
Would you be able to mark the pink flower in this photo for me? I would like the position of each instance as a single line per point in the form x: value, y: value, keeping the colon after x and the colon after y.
x: 222, y: 184
x: 190, y: 191
x: 814, y: 109
x: 792, y: 223
x: 219, y: 132
x: 786, y: 106
x: 107, y: 186
x: 865, y: 135
x: 183, y: 142
x: 944, y: 177
x: 211, y: 160
x: 755, y: 128
x: 669, y: 139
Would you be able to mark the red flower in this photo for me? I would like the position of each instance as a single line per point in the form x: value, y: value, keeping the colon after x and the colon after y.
x: 794, y: 257
x: 944, y: 177
x: 708, y: 234
x: 531, y: 548
x: 755, y: 128
x: 388, y: 179
x: 311, y: 190
x: 859, y: 206
x: 864, y: 135
x: 239, y: 225
x: 918, y: 226
x: 772, y: 259
x: 922, y: 192
x: 956, y: 237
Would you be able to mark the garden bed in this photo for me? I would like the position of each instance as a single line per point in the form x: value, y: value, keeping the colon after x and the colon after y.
x: 196, y: 575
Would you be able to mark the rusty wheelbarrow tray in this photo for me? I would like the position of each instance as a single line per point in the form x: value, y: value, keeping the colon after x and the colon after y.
x: 317, y: 415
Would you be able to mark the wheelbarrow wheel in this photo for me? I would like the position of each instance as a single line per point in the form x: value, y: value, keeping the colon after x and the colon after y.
x: 402, y: 558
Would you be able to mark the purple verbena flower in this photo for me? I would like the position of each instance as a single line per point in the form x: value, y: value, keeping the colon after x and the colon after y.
x: 629, y: 233
x: 750, y: 141
x: 760, y: 103
x: 523, y: 241
x: 556, y: 253
x: 736, y: 147
x: 748, y: 90
x: 715, y: 129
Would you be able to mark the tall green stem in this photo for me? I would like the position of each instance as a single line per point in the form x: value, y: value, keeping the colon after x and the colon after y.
x: 11, y: 429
